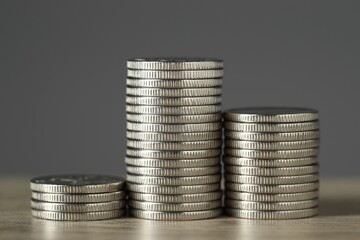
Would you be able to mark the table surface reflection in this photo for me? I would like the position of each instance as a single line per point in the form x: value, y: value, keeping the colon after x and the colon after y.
x: 339, y: 218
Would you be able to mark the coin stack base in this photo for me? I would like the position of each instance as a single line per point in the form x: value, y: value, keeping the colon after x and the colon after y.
x: 174, y: 138
x: 271, y: 163
x: 78, y: 197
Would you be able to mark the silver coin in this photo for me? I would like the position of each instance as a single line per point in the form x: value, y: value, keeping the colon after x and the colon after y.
x: 273, y: 137
x: 181, y: 110
x: 175, y: 63
x: 78, y: 198
x: 272, y: 145
x: 251, y: 162
x: 173, y: 137
x: 173, y: 172
x: 272, y: 189
x: 208, y: 153
x: 77, y: 184
x: 183, y: 198
x: 181, y: 92
x: 276, y: 206
x: 159, y: 101
x: 287, y: 197
x: 173, y: 190
x: 272, y: 215
x: 176, y: 216
x: 272, y: 127
x: 174, y: 163
x: 174, y: 181
x: 244, y: 179
x: 193, y: 74
x: 77, y: 207
x: 196, y: 145
x: 185, y: 119
x: 174, y: 207
x: 174, y: 128
x: 271, y: 114
x: 88, y: 216
x: 279, y: 154
x: 274, y: 172
x: 178, y: 83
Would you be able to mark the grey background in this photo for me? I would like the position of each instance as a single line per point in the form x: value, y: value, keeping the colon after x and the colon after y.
x: 63, y: 70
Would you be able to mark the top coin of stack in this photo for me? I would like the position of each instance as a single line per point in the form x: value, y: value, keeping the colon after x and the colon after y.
x: 174, y: 137
x: 271, y: 168
x: 77, y: 197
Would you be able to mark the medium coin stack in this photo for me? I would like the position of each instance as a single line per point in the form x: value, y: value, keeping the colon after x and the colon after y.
x: 174, y: 138
x: 271, y: 165
x: 77, y: 197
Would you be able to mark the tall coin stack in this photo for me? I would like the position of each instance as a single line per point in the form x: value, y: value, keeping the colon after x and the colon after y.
x: 174, y: 138
x: 77, y: 197
x: 271, y: 165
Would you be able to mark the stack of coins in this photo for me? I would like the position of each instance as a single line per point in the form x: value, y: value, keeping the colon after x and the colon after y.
x: 174, y: 138
x: 271, y: 168
x: 78, y: 197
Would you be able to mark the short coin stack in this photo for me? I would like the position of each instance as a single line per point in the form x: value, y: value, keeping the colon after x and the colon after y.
x: 77, y: 197
x: 271, y: 168
x: 174, y: 138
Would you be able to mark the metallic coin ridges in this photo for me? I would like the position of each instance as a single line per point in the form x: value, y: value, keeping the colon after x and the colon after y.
x: 271, y: 189
x: 176, y: 216
x: 276, y: 206
x: 272, y: 215
x: 279, y: 154
x: 173, y: 172
x: 251, y: 162
x: 178, y: 83
x: 287, y: 197
x: 192, y: 74
x: 181, y: 92
x: 169, y: 119
x: 172, y: 163
x: 174, y: 64
x: 271, y: 114
x: 208, y: 153
x: 77, y: 184
x: 173, y: 128
x: 88, y: 216
x: 183, y: 198
x: 272, y: 137
x: 198, y: 145
x: 78, y: 198
x: 159, y: 101
x: 178, y: 110
x: 77, y: 207
x: 272, y: 145
x: 174, y: 181
x: 272, y: 127
x: 244, y: 179
x: 261, y: 171
x: 173, y: 137
x: 174, y: 207
x: 172, y: 190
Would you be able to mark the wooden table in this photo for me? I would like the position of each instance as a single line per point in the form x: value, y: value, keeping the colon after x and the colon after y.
x: 339, y: 219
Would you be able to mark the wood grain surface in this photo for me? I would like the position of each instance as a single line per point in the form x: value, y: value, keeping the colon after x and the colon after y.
x: 339, y: 219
